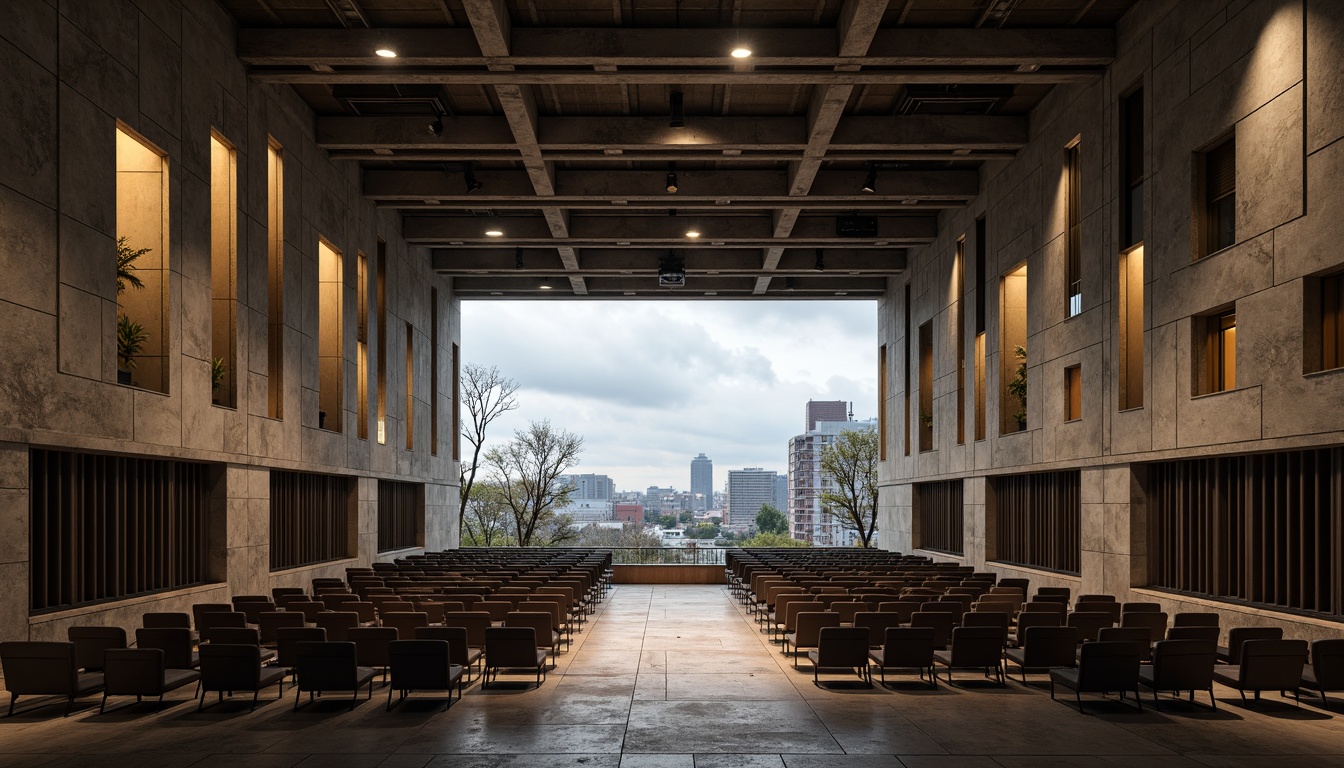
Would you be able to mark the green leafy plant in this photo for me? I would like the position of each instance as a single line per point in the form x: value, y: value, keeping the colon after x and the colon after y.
x: 131, y: 338
x: 126, y: 258
x: 1017, y: 386
x: 217, y: 370
x: 926, y: 418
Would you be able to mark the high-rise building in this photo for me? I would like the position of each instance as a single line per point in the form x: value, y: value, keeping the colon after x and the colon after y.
x: 782, y: 493
x: 826, y: 410
x: 702, y: 482
x: 748, y: 490
x: 590, y: 487
x: 807, y: 483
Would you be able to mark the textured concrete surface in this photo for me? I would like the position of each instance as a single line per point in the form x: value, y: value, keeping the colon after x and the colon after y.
x: 681, y: 677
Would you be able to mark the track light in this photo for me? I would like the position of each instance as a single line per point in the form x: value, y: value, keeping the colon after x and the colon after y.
x: 678, y: 110
x: 469, y: 177
x: 870, y: 183
x: 671, y: 178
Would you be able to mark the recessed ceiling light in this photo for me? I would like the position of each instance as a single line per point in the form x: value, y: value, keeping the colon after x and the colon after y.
x: 629, y: 293
x: 494, y: 233
x: 386, y: 53
x: 842, y: 293
x: 711, y: 293
x: 741, y: 52
x: 496, y: 293
x: 545, y: 287
x: 455, y: 242
x: 910, y: 201
x: 717, y: 242
x: 692, y: 233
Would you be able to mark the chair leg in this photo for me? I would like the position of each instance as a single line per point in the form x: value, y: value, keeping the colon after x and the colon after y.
x: 13, y: 699
x: 1079, y: 696
x: 1212, y: 701
x: 255, y: 694
x: 296, y: 698
x: 103, y: 704
x: 69, y: 701
x: 1138, y: 701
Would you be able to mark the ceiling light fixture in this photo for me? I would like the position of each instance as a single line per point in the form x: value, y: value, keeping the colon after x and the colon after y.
x: 870, y: 183
x: 677, y: 100
x: 494, y: 233
x: 386, y: 53
x: 469, y: 178
x: 692, y: 233
x: 671, y: 178
x: 741, y: 52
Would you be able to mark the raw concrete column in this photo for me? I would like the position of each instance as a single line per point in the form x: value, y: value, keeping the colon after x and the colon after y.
x: 1113, y: 530
x: 441, y: 523
x: 14, y: 541
x: 895, y: 532
x: 975, y: 525
x: 246, y: 531
x: 366, y: 509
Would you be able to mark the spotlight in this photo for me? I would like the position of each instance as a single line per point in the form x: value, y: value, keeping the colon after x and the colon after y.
x: 469, y: 178
x: 494, y: 233
x: 692, y: 233
x: 386, y: 53
x: 678, y: 110
x: 546, y: 284
x: 870, y: 183
x: 671, y: 178
x: 741, y: 52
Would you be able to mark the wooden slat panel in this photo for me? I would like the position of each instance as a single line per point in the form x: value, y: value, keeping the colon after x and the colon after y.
x: 401, y: 515
x: 941, y: 510
x: 1038, y: 518
x: 310, y: 518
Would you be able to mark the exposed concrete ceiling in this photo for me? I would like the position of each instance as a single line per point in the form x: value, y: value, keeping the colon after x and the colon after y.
x: 574, y: 115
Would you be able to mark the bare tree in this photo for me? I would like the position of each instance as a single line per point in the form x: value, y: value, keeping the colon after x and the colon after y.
x: 487, y: 394
x: 851, y: 463
x: 527, y: 471
x: 487, y: 521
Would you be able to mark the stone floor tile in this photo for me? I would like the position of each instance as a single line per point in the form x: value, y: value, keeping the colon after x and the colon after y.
x: 658, y: 761
x: 738, y: 761
x: 841, y: 761
x: 731, y: 726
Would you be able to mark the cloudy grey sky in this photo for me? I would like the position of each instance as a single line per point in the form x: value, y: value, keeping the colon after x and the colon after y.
x: 648, y: 385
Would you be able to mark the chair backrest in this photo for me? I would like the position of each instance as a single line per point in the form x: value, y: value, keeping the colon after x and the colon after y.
x: 1022, y: 584
x: 1195, y: 620
x: 309, y: 609
x: 847, y: 609
x: 226, y: 667
x: 133, y: 672
x: 778, y: 600
x: 842, y: 647
x: 1236, y: 636
x: 337, y: 623
x: 1193, y: 633
x: 1272, y: 664
x: 553, y: 607
x: 288, y: 638
x: 371, y: 644
x: 1089, y: 623
x: 908, y: 647
x: 92, y: 642
x: 977, y: 646
x: 199, y: 609
x: 541, y: 622
x: 39, y: 668
x: 166, y: 620
x: 394, y: 606
x: 877, y: 623
x: 1045, y: 606
x: 1154, y: 621
x: 334, y: 600
x: 232, y: 636
x: 251, y: 609
x: 433, y: 610
x: 1108, y: 665
x: 495, y: 609
x: 940, y: 623
x: 511, y: 646
x: 986, y: 619
x: 1141, y: 608
x: 1036, y: 619
x: 796, y: 607
x: 211, y: 619
x: 405, y: 622
x: 810, y: 624
x: 1065, y: 592
x: 1096, y: 598
x: 1111, y: 608
x: 1184, y: 665
x: 1327, y: 663
x: 1141, y: 637
x: 902, y: 608
x: 325, y: 665
x: 175, y: 642
x: 456, y: 637
x: 269, y: 622
x: 284, y: 592
x: 1049, y: 647
x: 367, y: 612
x: 420, y: 664
x: 948, y: 606
x: 475, y: 622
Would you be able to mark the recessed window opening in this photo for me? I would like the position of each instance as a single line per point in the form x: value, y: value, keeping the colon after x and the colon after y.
x: 1220, y: 196
x: 275, y: 280
x: 330, y: 336
x: 1013, y: 351
x: 223, y: 271
x: 142, y: 265
x: 1073, y: 244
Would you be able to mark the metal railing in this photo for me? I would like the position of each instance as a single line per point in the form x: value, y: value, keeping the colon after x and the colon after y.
x: 696, y: 555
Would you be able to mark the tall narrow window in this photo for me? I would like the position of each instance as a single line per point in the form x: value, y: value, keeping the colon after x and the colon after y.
x: 1131, y: 328
x: 330, y: 336
x: 362, y: 344
x: 905, y: 361
x: 926, y: 386
x: 1131, y: 169
x: 1013, y: 351
x: 275, y: 281
x: 223, y: 271
x: 1073, y: 245
x: 457, y: 398
x: 381, y: 279
x: 1220, y: 196
x: 1325, y: 301
x: 434, y: 371
x: 142, y: 245
x: 959, y: 302
x: 1220, y: 356
x: 981, y: 248
x: 410, y: 387
x: 1073, y: 393
x: 882, y: 396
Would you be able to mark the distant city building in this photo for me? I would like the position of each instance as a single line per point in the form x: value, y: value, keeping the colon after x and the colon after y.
x: 587, y: 510
x: 659, y: 501
x: 591, y: 486
x: 702, y: 482
x: 826, y: 410
x: 748, y: 490
x: 629, y: 513
x: 807, y: 483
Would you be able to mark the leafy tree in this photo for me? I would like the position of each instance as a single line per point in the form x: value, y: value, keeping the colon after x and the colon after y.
x: 487, y: 521
x: 628, y: 535
x: 703, y: 531
x: 716, y: 521
x: 771, y: 520
x: 527, y: 471
x: 556, y: 530
x: 686, y: 517
x: 851, y: 463
x: 1017, y: 386
x: 487, y: 394
x: 772, y: 540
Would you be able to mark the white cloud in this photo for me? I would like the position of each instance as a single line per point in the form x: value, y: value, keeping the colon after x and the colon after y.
x: 651, y: 384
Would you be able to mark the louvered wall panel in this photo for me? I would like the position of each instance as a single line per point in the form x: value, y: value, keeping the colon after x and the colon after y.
x: 940, y: 510
x: 109, y: 527
x: 310, y: 518
x: 1037, y: 520
x: 401, y: 515
x: 1265, y: 529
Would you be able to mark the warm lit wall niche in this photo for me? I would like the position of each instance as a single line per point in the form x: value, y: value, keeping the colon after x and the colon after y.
x: 142, y: 296
x: 362, y: 344
x: 926, y: 386
x: 1013, y: 327
x: 1131, y: 328
x: 223, y: 271
x: 275, y: 281
x: 330, y: 336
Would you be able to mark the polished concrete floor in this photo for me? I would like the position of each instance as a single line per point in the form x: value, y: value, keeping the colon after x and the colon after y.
x: 679, y: 676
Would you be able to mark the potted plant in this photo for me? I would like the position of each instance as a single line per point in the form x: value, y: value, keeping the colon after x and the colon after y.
x: 131, y: 338
x: 217, y: 371
x: 1017, y: 386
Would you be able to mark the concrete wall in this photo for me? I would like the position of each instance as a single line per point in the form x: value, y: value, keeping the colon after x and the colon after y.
x: 166, y: 70
x: 1269, y: 68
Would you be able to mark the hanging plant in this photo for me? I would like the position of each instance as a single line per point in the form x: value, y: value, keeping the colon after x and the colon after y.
x: 1017, y: 386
